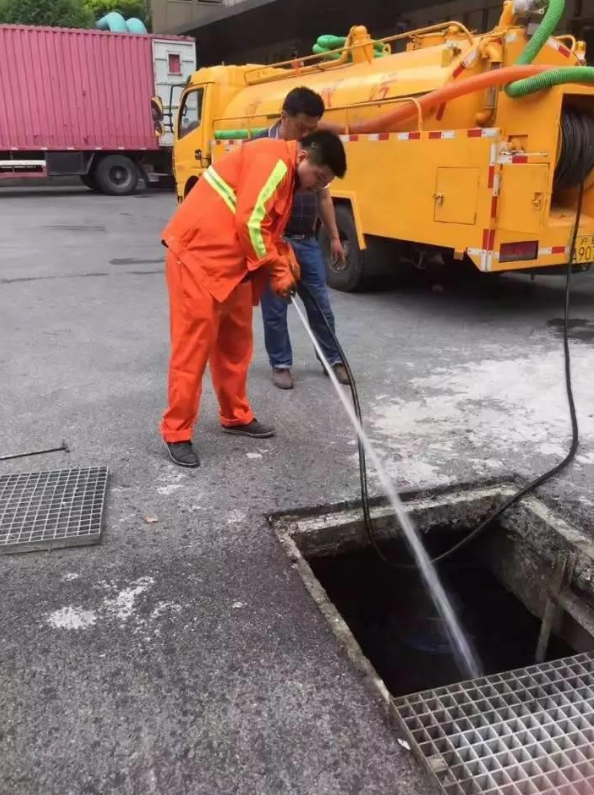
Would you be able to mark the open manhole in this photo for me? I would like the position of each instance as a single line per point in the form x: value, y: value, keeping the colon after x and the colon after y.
x: 523, y: 592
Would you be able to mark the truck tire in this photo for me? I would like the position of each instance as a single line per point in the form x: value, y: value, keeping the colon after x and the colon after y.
x: 351, y: 276
x: 189, y: 185
x: 116, y: 175
x: 89, y: 181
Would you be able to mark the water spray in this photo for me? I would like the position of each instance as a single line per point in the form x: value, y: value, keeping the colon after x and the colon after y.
x: 465, y: 654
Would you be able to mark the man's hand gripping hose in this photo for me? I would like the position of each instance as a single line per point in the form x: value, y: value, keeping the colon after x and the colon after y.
x: 284, y: 272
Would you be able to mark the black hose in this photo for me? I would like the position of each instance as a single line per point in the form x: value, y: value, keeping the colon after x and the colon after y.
x: 576, y: 159
x: 532, y: 486
x: 357, y: 406
x: 575, y: 439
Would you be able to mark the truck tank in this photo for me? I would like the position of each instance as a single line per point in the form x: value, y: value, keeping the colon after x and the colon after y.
x: 478, y: 144
x: 359, y: 90
x: 362, y: 79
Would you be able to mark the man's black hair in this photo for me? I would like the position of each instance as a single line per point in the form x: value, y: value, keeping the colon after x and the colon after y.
x: 326, y: 149
x: 304, y: 100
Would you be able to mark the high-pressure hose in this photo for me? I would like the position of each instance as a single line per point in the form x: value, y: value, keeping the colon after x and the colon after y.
x: 357, y: 406
x: 576, y: 158
x: 575, y: 440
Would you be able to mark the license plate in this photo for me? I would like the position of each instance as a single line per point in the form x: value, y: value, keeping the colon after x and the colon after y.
x: 584, y: 250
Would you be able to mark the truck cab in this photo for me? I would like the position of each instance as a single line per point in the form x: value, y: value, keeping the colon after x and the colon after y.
x: 203, y: 101
x: 191, y: 139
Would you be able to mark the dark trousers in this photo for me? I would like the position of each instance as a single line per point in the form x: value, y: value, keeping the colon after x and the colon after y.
x: 274, y: 309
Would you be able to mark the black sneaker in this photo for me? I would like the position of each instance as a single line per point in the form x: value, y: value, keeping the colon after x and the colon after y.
x: 183, y: 454
x: 254, y: 429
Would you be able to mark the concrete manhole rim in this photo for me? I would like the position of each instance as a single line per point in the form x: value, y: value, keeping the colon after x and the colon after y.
x: 294, y: 529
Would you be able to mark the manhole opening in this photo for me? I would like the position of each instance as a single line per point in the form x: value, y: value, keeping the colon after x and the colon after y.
x: 397, y: 626
x: 525, y: 596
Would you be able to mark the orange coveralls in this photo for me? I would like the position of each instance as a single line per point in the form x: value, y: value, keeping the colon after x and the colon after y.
x: 221, y: 241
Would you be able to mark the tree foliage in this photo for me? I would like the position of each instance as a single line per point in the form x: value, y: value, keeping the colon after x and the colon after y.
x: 127, y: 8
x: 54, y: 13
x: 69, y: 13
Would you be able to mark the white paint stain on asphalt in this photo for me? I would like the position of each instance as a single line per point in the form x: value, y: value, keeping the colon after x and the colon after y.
x: 173, y: 480
x: 122, y: 605
x: 236, y: 517
x: 164, y: 607
x: 499, y: 411
x: 171, y: 489
x: 72, y: 618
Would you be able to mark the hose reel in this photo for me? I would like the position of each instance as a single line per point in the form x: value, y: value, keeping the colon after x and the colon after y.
x: 576, y: 155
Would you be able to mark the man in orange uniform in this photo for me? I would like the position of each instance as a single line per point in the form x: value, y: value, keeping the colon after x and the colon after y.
x: 225, y: 242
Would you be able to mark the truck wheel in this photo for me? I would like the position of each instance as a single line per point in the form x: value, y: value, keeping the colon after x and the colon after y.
x: 116, y: 175
x: 189, y: 185
x: 349, y: 276
x: 89, y: 181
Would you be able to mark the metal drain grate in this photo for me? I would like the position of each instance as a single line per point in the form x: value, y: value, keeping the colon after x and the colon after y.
x: 527, y: 732
x: 46, y: 510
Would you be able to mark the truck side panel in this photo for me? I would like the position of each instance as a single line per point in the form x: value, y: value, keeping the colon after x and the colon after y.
x: 75, y: 89
x: 436, y: 187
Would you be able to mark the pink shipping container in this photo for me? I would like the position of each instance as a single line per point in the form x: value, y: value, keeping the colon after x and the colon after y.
x: 84, y: 91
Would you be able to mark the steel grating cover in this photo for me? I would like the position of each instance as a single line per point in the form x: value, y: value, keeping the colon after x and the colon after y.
x: 527, y: 732
x: 48, y: 510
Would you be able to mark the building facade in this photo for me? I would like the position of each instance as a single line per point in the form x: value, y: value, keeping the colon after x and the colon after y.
x: 169, y: 16
x: 268, y: 31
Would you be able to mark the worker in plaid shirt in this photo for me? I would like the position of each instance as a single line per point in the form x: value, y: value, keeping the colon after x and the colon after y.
x: 302, y: 111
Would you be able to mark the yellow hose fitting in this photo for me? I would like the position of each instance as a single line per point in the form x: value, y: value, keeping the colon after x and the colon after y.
x: 491, y: 50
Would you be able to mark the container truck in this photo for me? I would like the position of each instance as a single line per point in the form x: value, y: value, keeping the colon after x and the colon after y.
x: 465, y: 146
x: 89, y: 103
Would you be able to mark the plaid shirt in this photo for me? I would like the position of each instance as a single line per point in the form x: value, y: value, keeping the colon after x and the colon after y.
x: 305, y: 205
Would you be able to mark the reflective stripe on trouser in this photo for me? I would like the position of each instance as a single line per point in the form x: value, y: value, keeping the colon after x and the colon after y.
x: 203, y: 331
x: 218, y: 184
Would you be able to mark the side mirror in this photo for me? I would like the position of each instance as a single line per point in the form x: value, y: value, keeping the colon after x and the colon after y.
x: 157, y: 114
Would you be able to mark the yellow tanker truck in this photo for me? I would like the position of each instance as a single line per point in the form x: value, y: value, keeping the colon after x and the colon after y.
x: 463, y: 146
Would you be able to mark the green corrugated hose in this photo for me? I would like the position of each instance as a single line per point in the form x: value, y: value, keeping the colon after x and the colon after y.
x: 233, y: 135
x: 545, y: 30
x: 327, y: 43
x: 554, y: 77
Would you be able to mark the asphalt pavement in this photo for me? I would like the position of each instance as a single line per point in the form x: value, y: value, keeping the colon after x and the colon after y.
x: 183, y: 654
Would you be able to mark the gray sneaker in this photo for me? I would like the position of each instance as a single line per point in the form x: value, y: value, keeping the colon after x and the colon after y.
x: 282, y: 378
x: 254, y: 429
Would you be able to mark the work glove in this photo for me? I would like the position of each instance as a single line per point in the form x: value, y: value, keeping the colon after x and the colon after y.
x: 284, y: 272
